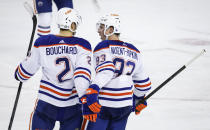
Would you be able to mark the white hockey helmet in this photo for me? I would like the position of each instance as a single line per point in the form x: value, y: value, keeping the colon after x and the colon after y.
x: 67, y: 16
x: 110, y: 20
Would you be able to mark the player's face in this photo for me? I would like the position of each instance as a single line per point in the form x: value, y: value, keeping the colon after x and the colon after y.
x: 101, y: 28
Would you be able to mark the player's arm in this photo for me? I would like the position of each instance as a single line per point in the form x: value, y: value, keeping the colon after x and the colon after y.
x: 104, y: 68
x: 82, y: 71
x: 30, y: 65
x: 82, y: 77
x: 142, y: 85
x: 103, y: 64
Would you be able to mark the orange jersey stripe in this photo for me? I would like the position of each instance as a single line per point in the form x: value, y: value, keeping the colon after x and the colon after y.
x: 104, y: 67
x: 82, y: 72
x: 74, y: 91
x: 141, y: 86
x: 53, y: 91
x: 32, y: 114
x: 26, y: 77
x: 43, y: 31
x: 116, y: 94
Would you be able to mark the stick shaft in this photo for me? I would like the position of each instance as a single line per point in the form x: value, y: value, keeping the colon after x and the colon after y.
x: 171, y: 77
x: 165, y: 82
x: 20, y: 84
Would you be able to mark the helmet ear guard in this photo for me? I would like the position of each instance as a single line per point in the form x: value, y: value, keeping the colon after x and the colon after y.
x: 67, y: 16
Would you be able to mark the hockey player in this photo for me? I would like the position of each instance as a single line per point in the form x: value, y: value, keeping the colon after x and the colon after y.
x: 44, y: 10
x: 120, y: 79
x: 65, y: 61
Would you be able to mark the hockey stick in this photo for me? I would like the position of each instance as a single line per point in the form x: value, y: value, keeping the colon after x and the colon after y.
x: 170, y: 78
x: 31, y: 12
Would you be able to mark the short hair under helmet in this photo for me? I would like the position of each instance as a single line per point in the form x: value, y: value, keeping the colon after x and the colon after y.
x: 110, y: 20
x: 67, y: 16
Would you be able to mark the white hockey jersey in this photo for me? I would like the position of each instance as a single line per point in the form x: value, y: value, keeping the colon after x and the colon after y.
x: 118, y: 68
x: 66, y: 68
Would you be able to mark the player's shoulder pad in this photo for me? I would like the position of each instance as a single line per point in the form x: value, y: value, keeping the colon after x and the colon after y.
x: 83, y: 43
x: 42, y: 40
x: 101, y: 45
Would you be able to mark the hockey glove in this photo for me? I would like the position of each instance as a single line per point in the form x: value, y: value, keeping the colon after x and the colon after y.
x: 86, y: 112
x: 140, y: 107
x: 92, y: 98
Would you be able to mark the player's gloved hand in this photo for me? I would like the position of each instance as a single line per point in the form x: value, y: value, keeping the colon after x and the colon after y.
x: 138, y: 107
x: 86, y: 112
x: 92, y: 98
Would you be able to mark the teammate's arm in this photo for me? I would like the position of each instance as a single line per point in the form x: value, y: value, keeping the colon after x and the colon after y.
x: 103, y: 64
x: 29, y: 66
x: 82, y: 71
x: 142, y: 85
x: 104, y: 68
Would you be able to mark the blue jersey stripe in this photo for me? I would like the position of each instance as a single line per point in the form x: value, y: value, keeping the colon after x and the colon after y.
x: 44, y: 27
x: 101, y: 45
x: 83, y: 69
x: 143, y: 89
x: 25, y: 71
x: 107, y: 43
x: 61, y: 99
x: 141, y: 81
x: 117, y: 89
x: 39, y: 35
x: 46, y: 41
x: 104, y: 63
x: 52, y: 85
x: 106, y: 69
x: 21, y: 76
x: 112, y: 99
x: 82, y: 77
x: 123, y: 44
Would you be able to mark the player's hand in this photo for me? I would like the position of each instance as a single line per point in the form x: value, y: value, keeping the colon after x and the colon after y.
x: 86, y: 112
x: 139, y: 107
x: 92, y: 98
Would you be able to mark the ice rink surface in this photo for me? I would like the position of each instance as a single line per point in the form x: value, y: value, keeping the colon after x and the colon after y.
x: 168, y: 33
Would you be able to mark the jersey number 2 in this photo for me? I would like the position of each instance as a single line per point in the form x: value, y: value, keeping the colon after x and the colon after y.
x: 66, y: 69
